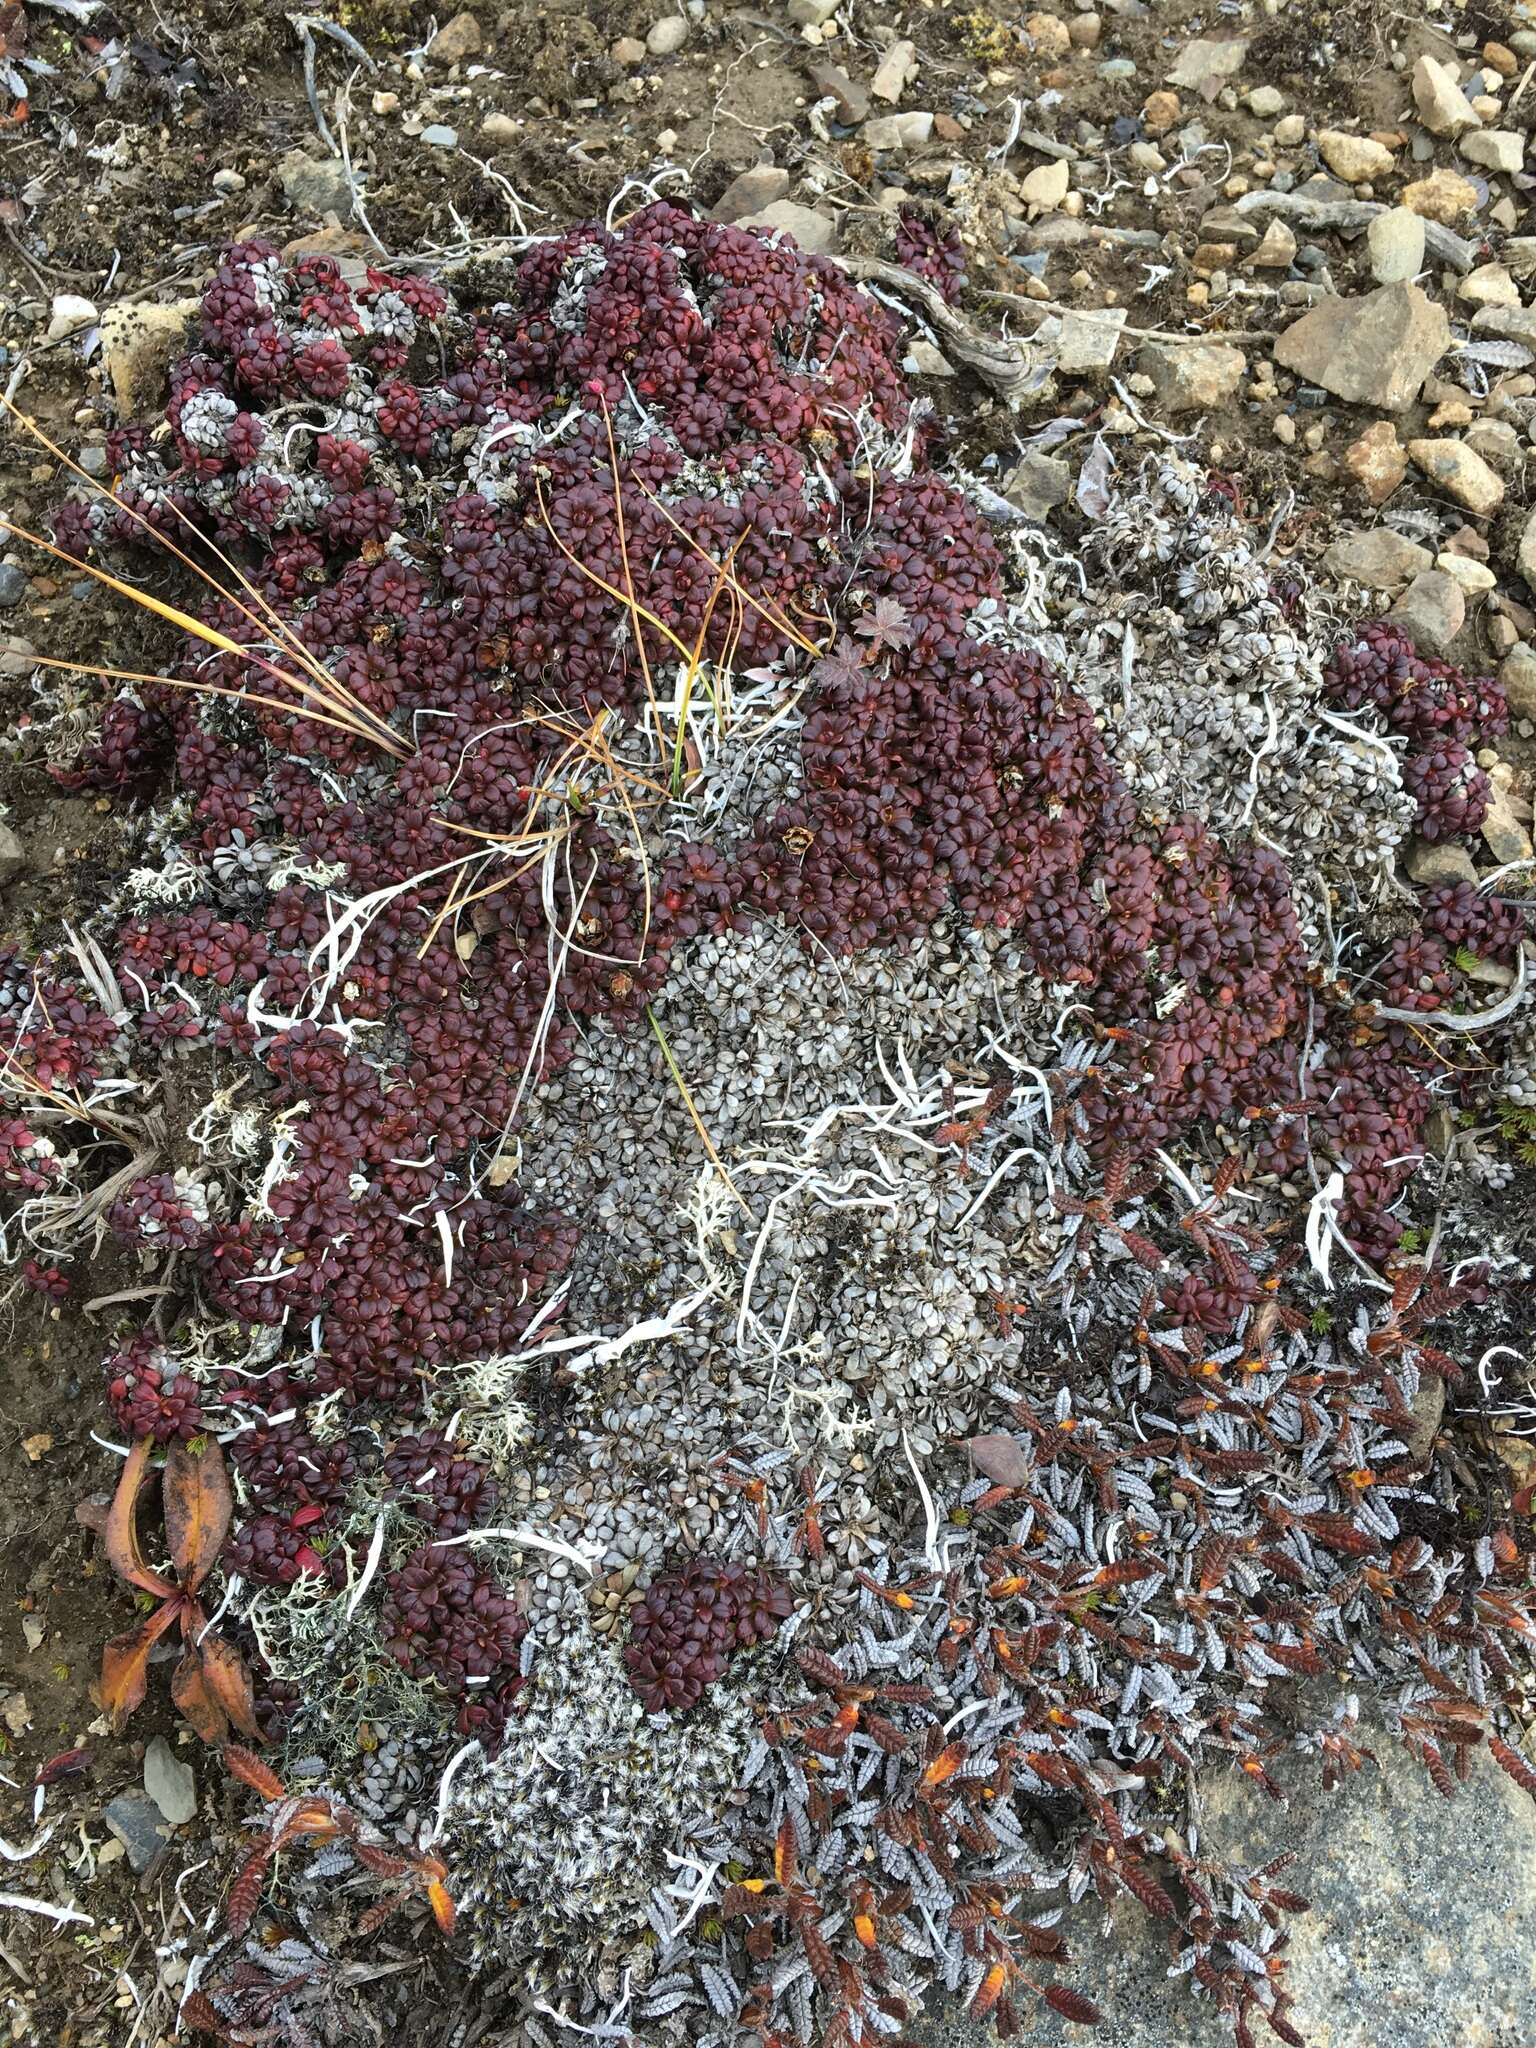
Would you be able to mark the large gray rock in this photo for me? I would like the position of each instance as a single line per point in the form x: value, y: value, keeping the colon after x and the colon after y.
x: 314, y: 186
x: 1380, y: 559
x: 1193, y: 377
x: 1376, y: 350
x: 1432, y: 610
x: 139, y: 343
x: 1422, y: 1932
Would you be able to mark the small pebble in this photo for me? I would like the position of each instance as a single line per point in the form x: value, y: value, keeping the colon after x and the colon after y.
x: 440, y: 137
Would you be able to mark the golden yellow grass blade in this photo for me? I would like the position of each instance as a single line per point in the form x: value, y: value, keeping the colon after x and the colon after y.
x: 601, y: 581
x: 243, y: 696
x: 212, y: 637
x: 698, y: 1122
x: 270, y: 620
x: 775, y: 618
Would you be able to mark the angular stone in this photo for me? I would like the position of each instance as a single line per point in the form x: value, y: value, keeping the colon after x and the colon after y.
x: 1430, y: 861
x: 1265, y: 102
x: 1380, y: 559
x: 170, y: 1782
x: 1442, y: 105
x: 139, y: 343
x: 1475, y: 578
x: 1160, y: 112
x: 833, y: 83
x: 1373, y: 351
x: 456, y: 40
x: 1354, y: 158
x: 315, y: 186
x: 894, y: 72
x: 750, y: 191
x: 1421, y: 1933
x: 1395, y: 240
x: 813, y: 231
x: 1489, y: 285
x: 898, y: 131
x: 1495, y: 149
x: 1377, y: 461
x: 1205, y: 65
x: 628, y: 51
x: 1461, y: 472
x: 1512, y: 323
x: 1517, y: 676
x: 1277, y: 251
x: 1432, y: 610
x: 1088, y: 341
x: 1504, y: 832
x: 1038, y: 485
x: 1527, y: 552
x: 1050, y: 35
x: 1443, y: 196
x: 140, y: 1826
x: 1192, y: 378
x: 13, y: 857
x: 1046, y: 185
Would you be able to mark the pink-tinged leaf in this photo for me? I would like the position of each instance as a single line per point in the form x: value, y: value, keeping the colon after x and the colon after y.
x: 1002, y: 1459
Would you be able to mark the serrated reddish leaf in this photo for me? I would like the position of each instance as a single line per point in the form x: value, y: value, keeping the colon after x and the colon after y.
x: 121, y: 1533
x: 251, y: 1771
x: 198, y: 1508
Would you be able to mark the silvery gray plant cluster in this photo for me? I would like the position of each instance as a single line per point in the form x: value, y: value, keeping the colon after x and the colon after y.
x: 814, y: 1201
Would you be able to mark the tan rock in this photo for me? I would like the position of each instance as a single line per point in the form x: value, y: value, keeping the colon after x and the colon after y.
x: 456, y: 40
x: 1375, y: 350
x: 894, y: 72
x: 1050, y: 36
x: 1380, y: 559
x: 1357, y: 159
x: 1443, y: 196
x: 1045, y: 186
x: 1159, y: 112
x: 1489, y: 285
x: 1277, y: 251
x: 1442, y: 105
x: 139, y: 343
x: 1377, y: 461
x: 1460, y: 472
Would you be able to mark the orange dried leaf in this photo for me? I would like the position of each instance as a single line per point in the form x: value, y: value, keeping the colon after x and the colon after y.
x: 125, y: 1663
x: 989, y: 1991
x: 251, y: 1771
x: 944, y: 1765
x: 229, y: 1683
x: 121, y: 1534
x: 864, y: 1928
x: 194, y: 1702
x: 198, y: 1508
x: 441, y: 1902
